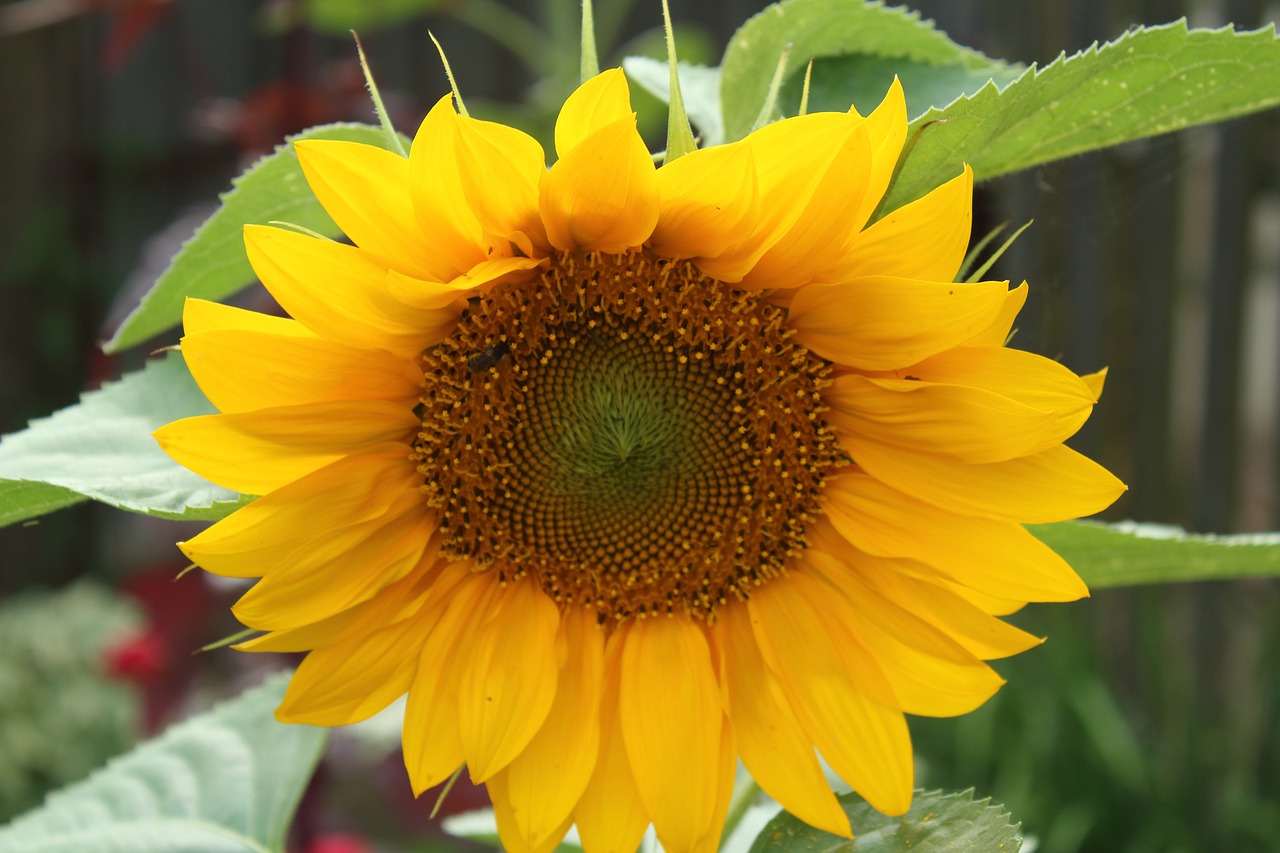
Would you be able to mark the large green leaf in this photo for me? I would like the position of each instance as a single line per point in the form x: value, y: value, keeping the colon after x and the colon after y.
x: 212, y: 264
x: 1149, y: 81
x: 937, y: 822
x: 824, y: 29
x: 101, y: 448
x: 1128, y: 553
x: 227, y: 781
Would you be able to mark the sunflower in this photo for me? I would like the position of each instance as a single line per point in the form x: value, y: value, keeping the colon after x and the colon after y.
x: 623, y: 473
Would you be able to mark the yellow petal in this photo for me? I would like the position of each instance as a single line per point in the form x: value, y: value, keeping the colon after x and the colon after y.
x: 998, y: 558
x: 506, y: 816
x: 709, y: 200
x: 669, y: 704
x: 596, y: 104
x: 436, y: 295
x: 366, y: 191
x: 610, y: 816
x: 931, y: 674
x: 776, y: 751
x: 500, y: 169
x: 962, y: 422
x: 356, y: 489
x: 1053, y: 485
x: 1095, y: 382
x: 814, y: 240
x: 432, y: 725
x: 352, y: 680
x: 543, y: 783
x: 883, y: 323
x: 603, y: 194
x: 455, y: 240
x: 346, y: 626
x: 838, y: 693
x: 257, y: 452
x: 201, y: 315
x: 339, y: 292
x: 1032, y: 380
x: 887, y: 128
x: 335, y: 572
x: 293, y: 370
x: 792, y: 158
x: 997, y: 334
x: 925, y: 239
x: 726, y: 772
x: 982, y: 634
x: 510, y: 678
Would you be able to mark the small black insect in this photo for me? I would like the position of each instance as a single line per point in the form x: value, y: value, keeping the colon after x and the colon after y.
x: 488, y: 357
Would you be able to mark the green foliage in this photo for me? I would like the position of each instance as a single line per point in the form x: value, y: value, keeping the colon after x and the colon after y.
x: 59, y: 717
x: 212, y: 264
x: 1145, y: 723
x: 340, y: 17
x: 1126, y: 554
x: 831, y: 29
x: 227, y: 781
x: 937, y: 821
x: 1151, y: 80
x: 101, y: 448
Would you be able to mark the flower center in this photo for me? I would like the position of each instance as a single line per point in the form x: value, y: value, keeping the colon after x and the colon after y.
x: 639, y: 438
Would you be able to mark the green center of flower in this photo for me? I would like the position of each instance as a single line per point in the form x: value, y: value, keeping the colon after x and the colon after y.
x: 639, y: 438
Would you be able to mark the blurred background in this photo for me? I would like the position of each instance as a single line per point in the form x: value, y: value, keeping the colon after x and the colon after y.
x: 1150, y: 721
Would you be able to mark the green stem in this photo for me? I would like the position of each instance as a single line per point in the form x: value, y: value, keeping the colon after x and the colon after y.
x: 743, y: 798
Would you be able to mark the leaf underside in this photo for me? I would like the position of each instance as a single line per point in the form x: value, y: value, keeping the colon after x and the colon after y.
x: 227, y: 781
x: 101, y: 448
x: 937, y: 821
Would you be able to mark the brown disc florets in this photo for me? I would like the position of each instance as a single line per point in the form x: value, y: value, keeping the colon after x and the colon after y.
x: 639, y: 438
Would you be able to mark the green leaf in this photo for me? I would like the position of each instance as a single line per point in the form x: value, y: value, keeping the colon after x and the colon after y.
x: 212, y: 264
x: 937, y: 821
x: 1149, y: 81
x: 101, y: 448
x: 1128, y: 553
x: 20, y: 500
x: 227, y: 781
x: 699, y: 85
x: 824, y: 29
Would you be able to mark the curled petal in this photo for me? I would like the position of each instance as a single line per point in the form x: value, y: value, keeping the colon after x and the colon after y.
x: 925, y: 239
x: 601, y: 101
x: 603, y: 194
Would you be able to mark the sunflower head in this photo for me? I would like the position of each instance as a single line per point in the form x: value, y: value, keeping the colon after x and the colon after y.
x: 625, y: 472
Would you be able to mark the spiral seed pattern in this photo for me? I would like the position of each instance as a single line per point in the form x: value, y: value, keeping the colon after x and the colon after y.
x: 638, y: 437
